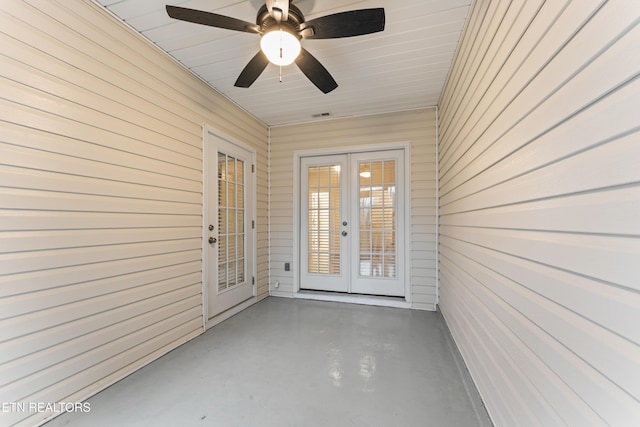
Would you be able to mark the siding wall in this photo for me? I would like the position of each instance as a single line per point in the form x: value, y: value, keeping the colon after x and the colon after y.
x: 417, y: 127
x: 100, y: 201
x: 540, y: 208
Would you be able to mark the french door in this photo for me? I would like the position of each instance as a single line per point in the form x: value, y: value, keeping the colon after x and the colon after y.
x: 229, y: 232
x: 352, y: 223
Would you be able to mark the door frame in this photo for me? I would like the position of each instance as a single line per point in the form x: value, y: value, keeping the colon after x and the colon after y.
x: 209, y: 149
x: 354, y: 298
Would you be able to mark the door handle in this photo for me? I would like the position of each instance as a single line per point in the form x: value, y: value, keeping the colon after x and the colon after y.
x: 212, y: 240
x: 344, y: 233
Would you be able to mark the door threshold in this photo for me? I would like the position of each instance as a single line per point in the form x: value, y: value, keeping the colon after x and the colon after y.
x: 382, y: 301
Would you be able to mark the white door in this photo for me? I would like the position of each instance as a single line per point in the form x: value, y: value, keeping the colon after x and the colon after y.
x: 324, y: 220
x: 352, y: 223
x: 230, y: 230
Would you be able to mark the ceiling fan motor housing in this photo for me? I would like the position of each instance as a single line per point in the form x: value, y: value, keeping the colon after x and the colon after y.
x: 292, y: 25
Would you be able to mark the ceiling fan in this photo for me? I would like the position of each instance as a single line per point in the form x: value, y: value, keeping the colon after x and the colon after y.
x: 281, y: 26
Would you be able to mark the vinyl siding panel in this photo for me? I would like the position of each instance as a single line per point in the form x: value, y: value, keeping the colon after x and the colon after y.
x: 417, y: 127
x: 100, y: 201
x: 539, y: 179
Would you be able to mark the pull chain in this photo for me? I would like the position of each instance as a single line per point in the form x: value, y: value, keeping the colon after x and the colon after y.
x: 281, y: 55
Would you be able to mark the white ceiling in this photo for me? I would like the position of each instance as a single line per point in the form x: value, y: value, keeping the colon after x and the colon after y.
x: 402, y: 68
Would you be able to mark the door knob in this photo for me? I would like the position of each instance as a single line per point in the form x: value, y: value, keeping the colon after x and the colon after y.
x: 344, y: 233
x: 212, y: 240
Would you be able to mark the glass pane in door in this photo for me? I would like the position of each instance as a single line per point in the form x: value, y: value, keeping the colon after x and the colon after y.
x: 231, y: 216
x: 378, y: 210
x: 323, y: 207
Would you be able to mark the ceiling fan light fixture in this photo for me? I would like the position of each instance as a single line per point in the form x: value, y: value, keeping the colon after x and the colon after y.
x: 280, y: 47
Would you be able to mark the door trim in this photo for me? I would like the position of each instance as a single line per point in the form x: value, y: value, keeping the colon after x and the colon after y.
x: 297, y: 155
x: 207, y: 176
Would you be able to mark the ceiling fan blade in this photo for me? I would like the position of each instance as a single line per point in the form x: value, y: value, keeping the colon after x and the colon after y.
x: 278, y: 9
x: 252, y: 71
x: 346, y: 24
x: 211, y: 19
x: 315, y: 71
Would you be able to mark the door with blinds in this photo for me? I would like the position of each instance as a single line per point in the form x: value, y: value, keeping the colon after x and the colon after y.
x: 352, y: 223
x: 230, y: 231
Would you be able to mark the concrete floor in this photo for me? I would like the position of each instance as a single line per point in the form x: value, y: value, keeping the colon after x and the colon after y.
x: 289, y: 362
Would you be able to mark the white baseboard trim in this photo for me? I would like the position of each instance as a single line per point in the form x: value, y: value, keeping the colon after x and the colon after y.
x: 231, y: 312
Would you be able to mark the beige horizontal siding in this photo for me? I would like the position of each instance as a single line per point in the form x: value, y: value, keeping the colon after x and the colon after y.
x: 100, y: 201
x: 416, y: 127
x: 539, y: 200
